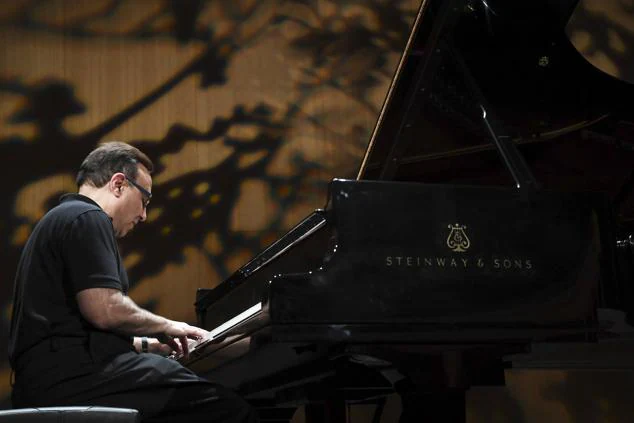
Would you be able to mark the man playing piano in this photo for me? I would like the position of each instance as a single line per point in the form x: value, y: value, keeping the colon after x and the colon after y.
x: 76, y: 337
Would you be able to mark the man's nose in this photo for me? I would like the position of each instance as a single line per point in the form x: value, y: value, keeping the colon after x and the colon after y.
x: 143, y: 214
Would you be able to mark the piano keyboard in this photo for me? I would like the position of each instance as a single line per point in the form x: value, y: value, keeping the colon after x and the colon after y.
x: 222, y: 328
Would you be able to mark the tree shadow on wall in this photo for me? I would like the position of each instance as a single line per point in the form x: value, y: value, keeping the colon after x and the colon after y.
x: 53, y: 151
x: 50, y: 103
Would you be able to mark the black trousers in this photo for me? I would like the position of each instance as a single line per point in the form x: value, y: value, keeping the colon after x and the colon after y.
x: 160, y: 388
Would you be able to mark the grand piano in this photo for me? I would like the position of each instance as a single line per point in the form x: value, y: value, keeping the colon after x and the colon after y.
x: 493, y: 211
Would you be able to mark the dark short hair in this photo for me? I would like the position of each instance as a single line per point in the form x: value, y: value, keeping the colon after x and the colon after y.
x: 108, y: 159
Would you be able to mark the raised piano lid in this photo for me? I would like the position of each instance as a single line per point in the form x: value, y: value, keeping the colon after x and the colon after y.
x: 514, y: 63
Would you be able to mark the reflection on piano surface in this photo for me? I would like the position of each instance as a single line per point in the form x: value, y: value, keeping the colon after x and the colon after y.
x: 481, y: 223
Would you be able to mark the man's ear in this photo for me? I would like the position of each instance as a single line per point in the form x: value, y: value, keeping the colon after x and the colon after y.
x: 116, y: 184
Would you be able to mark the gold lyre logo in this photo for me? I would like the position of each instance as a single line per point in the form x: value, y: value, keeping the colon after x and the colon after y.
x: 457, y: 239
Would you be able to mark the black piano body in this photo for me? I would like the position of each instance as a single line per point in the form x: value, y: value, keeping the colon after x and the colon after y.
x: 406, y: 270
x: 457, y: 244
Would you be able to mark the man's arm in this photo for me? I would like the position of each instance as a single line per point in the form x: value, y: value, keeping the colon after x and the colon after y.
x: 109, y: 309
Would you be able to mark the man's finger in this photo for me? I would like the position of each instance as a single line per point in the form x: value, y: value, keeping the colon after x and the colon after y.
x: 184, y: 345
x: 174, y: 345
x: 168, y: 340
x: 163, y: 338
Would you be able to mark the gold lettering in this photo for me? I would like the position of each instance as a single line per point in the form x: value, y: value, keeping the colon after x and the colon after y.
x: 501, y: 263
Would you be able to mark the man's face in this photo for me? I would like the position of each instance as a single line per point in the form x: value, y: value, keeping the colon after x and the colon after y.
x: 131, y: 204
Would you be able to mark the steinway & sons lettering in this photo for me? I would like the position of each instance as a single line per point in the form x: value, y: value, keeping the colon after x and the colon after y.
x: 498, y: 263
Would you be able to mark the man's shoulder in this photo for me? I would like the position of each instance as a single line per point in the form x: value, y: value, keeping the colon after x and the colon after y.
x: 73, y: 206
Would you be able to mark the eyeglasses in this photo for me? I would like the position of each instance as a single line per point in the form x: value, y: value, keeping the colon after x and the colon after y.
x: 147, y: 195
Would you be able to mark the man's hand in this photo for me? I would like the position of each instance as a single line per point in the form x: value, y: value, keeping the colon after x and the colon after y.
x: 181, y: 332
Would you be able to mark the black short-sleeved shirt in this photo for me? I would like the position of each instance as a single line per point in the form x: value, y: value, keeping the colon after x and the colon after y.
x: 71, y: 249
x: 58, y: 357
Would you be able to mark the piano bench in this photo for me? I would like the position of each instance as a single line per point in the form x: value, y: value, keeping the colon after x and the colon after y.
x: 86, y: 414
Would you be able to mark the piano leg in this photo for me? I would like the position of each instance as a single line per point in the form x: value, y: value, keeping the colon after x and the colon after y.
x: 446, y: 406
x: 332, y: 409
x: 271, y: 413
x: 434, y: 389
